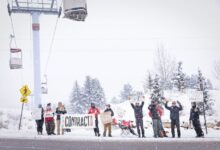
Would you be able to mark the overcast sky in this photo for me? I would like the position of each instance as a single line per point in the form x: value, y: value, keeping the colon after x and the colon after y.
x: 116, y: 44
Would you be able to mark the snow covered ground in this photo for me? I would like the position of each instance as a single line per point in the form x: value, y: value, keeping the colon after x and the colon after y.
x: 9, y: 121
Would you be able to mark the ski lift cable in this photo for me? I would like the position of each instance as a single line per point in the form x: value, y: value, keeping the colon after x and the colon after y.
x: 12, y: 26
x: 51, y: 44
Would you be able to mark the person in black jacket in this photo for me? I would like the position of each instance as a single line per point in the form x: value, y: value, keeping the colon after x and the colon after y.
x: 174, y: 117
x: 108, y: 125
x: 41, y: 121
x: 138, y: 112
x: 60, y: 110
x: 194, y: 119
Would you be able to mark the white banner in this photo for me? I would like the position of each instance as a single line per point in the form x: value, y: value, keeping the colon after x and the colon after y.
x: 36, y: 113
x: 195, y: 96
x: 106, y: 117
x: 78, y: 121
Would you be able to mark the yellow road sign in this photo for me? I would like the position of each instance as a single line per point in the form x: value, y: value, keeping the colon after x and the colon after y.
x: 23, y: 100
x: 25, y: 91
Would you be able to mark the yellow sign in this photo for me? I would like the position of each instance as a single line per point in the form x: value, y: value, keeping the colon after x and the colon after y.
x: 25, y: 91
x: 23, y: 100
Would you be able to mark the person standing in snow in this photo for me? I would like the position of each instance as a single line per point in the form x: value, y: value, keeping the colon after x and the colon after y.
x: 154, y: 113
x: 49, y: 120
x: 94, y: 110
x: 138, y: 112
x: 40, y: 122
x: 174, y: 117
x: 60, y: 110
x: 108, y: 125
x: 163, y: 132
x: 194, y: 119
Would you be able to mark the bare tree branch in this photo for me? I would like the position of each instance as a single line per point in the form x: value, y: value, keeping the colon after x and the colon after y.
x: 164, y: 63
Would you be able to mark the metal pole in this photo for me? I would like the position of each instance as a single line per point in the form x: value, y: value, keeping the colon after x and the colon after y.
x: 36, y: 58
x: 21, y: 116
x: 204, y: 115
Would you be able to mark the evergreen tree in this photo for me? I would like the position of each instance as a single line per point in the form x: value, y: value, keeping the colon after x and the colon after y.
x: 76, y: 105
x: 157, y: 92
x: 87, y: 93
x: 93, y: 93
x: 207, y: 101
x: 179, y: 78
x: 148, y: 83
x: 115, y: 100
x: 126, y: 92
x: 98, y: 96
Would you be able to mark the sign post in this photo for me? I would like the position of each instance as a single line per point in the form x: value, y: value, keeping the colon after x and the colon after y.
x: 25, y: 91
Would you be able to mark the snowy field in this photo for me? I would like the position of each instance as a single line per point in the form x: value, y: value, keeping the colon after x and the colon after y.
x: 9, y: 121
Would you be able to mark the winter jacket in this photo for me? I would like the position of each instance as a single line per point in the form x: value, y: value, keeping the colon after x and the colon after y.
x: 138, y: 110
x: 60, y: 112
x: 174, y: 111
x: 48, y: 114
x: 194, y: 114
x: 110, y: 110
x: 94, y: 110
x: 155, y: 112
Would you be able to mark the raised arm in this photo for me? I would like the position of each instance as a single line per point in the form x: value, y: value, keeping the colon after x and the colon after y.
x: 180, y: 106
x: 166, y: 106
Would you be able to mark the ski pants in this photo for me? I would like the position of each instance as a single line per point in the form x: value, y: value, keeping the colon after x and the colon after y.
x: 50, y: 127
x: 175, y: 122
x: 197, y: 127
x: 107, y: 126
x: 96, y: 129
x: 40, y: 125
x: 156, y: 127
x: 139, y: 124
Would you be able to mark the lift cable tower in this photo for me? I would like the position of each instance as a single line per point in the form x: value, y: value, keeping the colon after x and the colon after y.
x: 35, y: 8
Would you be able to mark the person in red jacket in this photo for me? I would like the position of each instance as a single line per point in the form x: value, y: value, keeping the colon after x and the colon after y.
x: 49, y: 120
x: 94, y: 110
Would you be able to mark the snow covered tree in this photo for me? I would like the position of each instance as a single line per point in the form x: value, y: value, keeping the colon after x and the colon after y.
x: 179, y: 78
x: 165, y: 66
x: 217, y: 69
x: 156, y: 92
x: 115, y: 100
x: 207, y: 101
x: 126, y: 92
x: 148, y: 83
x: 76, y: 104
x: 93, y: 93
x: 98, y: 95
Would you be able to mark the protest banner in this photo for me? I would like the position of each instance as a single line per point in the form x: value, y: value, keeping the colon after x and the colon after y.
x: 106, y: 117
x: 78, y: 121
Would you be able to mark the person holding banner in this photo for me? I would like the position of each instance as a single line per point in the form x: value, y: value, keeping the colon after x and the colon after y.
x: 138, y: 112
x: 109, y: 124
x: 94, y: 110
x: 40, y: 121
x: 194, y: 119
x: 49, y: 120
x: 60, y: 110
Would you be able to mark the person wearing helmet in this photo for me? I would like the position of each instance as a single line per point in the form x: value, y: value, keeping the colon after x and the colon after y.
x: 174, y: 117
x: 138, y: 112
x: 108, y: 125
x: 94, y: 110
x: 194, y: 119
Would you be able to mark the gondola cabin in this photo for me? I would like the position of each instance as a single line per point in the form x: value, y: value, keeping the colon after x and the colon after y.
x: 44, y: 88
x: 15, y: 61
x: 75, y: 9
